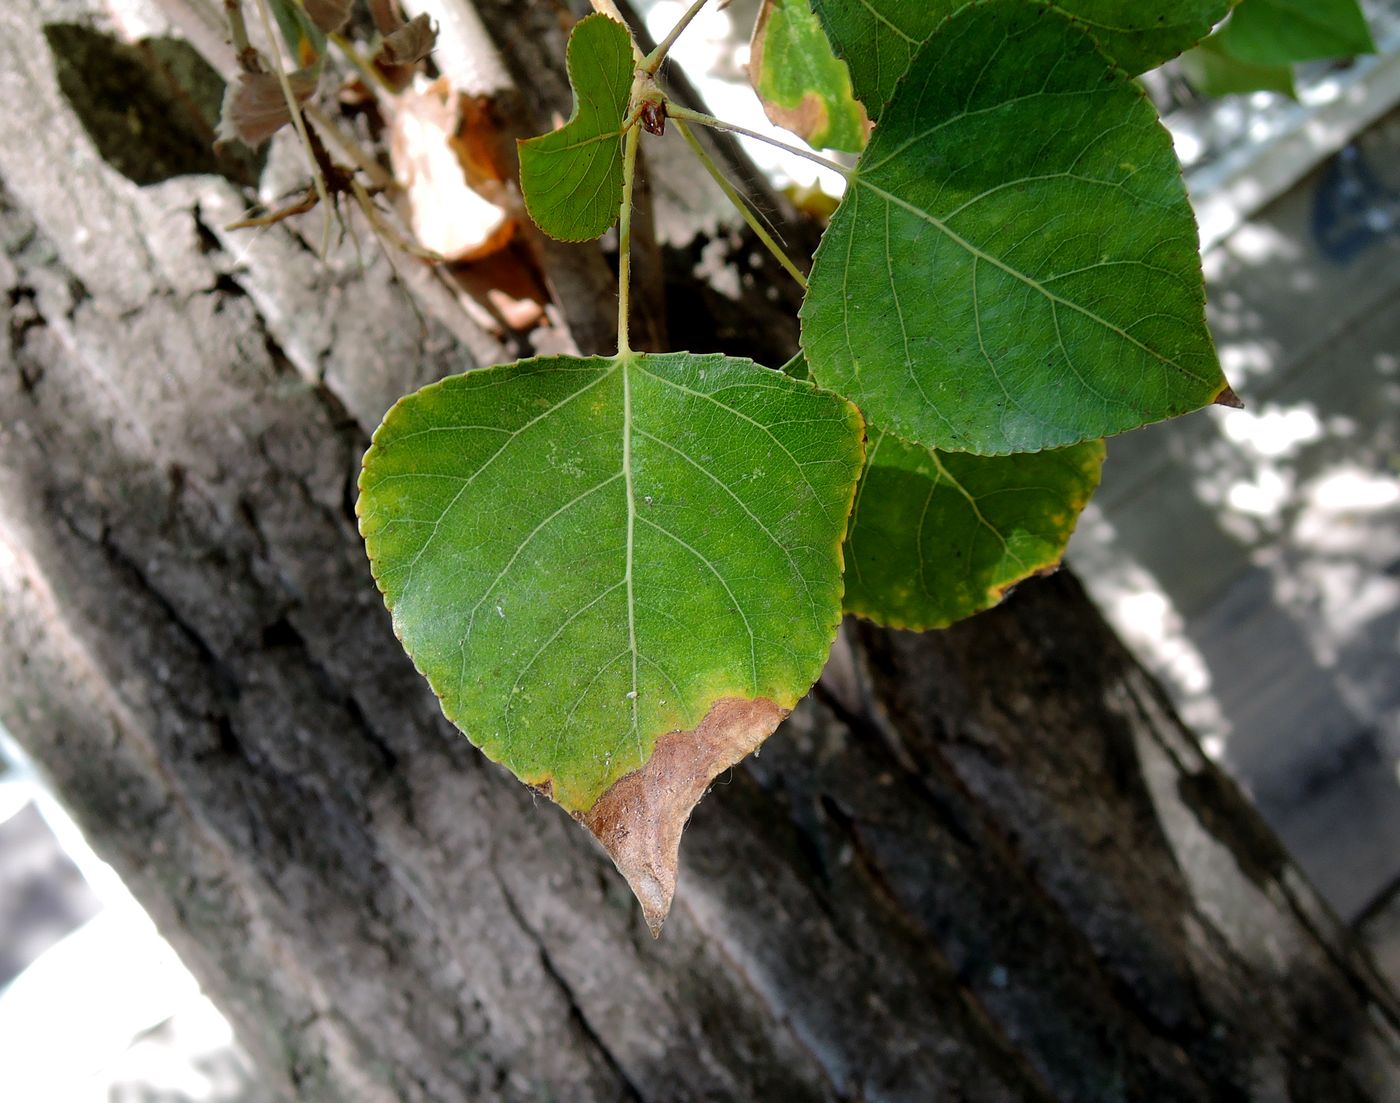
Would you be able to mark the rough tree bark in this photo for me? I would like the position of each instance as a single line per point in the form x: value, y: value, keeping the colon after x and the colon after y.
x: 981, y: 864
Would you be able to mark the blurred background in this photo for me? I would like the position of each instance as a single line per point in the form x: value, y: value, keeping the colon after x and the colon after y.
x: 1252, y: 557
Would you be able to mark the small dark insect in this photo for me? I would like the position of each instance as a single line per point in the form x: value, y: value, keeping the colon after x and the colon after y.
x: 654, y: 117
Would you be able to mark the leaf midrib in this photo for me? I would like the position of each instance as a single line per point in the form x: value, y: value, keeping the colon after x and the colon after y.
x: 625, y: 363
x: 1028, y: 280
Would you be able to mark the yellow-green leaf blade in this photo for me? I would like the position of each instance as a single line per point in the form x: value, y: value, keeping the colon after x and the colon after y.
x: 1014, y: 265
x: 572, y: 177
x: 938, y: 536
x: 584, y: 555
x: 804, y: 86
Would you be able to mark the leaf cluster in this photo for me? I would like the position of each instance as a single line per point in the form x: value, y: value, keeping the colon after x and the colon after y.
x: 619, y: 574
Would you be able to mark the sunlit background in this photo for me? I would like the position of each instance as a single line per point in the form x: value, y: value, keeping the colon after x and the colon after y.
x: 1252, y: 557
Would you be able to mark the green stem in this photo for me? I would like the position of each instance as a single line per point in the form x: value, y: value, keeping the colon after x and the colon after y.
x: 676, y: 111
x: 653, y: 60
x: 732, y: 194
x: 238, y: 32
x: 624, y: 238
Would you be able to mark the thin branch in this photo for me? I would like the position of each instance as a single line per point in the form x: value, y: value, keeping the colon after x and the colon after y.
x: 351, y: 148
x: 238, y: 34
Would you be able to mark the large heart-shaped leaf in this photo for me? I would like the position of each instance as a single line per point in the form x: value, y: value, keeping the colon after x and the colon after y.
x: 617, y: 574
x: 1014, y: 265
x: 937, y: 536
x: 1281, y: 32
x: 879, y: 38
x: 802, y: 84
x: 572, y: 177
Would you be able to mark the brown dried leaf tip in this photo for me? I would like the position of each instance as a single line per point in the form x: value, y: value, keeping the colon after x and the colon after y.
x: 1229, y: 398
x: 639, y: 819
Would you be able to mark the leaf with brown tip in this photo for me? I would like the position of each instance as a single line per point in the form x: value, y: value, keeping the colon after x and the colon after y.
x: 639, y: 820
x: 804, y: 86
x: 617, y: 574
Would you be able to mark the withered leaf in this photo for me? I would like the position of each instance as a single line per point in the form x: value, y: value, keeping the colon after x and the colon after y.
x: 328, y: 15
x: 386, y: 15
x: 411, y: 43
x: 255, y: 107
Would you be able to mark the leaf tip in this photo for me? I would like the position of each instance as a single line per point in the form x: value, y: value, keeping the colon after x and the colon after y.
x: 1228, y: 397
x: 640, y: 818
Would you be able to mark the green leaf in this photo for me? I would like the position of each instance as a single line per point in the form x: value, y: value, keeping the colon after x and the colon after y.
x: 617, y: 574
x: 1214, y: 72
x: 305, y: 40
x: 802, y: 84
x: 937, y: 536
x: 879, y: 38
x: 1281, y: 32
x: 572, y: 177
x: 1014, y: 265
x: 1141, y: 34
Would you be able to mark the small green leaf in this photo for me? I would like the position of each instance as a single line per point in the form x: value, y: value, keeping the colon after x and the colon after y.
x: 1213, y: 71
x: 304, y: 39
x: 879, y: 38
x: 1014, y: 265
x: 1281, y: 32
x: 938, y: 536
x: 802, y: 84
x: 617, y: 574
x: 572, y: 177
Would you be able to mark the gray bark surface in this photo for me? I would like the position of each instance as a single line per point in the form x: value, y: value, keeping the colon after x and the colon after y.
x: 982, y: 864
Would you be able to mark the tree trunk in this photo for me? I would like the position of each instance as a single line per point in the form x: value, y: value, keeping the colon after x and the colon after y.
x: 982, y: 864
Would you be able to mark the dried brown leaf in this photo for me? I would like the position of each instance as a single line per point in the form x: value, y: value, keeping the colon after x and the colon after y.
x: 639, y: 820
x: 411, y: 43
x: 386, y: 15
x: 328, y: 15
x: 255, y: 107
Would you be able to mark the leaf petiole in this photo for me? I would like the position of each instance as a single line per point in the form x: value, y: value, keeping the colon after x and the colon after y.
x: 624, y: 238
x: 675, y: 111
x: 732, y: 194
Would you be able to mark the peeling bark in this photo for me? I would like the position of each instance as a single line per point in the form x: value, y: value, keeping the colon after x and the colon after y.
x: 983, y: 864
